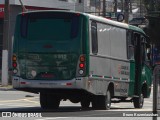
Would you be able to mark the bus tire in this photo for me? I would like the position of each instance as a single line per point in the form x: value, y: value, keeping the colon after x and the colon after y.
x: 138, y: 101
x: 43, y: 100
x: 49, y: 101
x: 102, y: 102
x: 85, y: 103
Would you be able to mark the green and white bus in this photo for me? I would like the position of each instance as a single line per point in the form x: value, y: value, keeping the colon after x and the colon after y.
x: 81, y: 57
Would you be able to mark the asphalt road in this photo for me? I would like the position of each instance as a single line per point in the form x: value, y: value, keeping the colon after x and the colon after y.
x: 25, y: 104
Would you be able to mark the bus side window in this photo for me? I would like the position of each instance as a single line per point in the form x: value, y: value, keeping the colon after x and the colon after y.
x: 146, y: 52
x: 143, y: 49
x: 130, y: 45
x: 94, y: 37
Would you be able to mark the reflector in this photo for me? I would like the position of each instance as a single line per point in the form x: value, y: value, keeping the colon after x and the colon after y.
x: 81, y: 72
x: 68, y: 84
x: 14, y: 58
x: 82, y: 58
x: 15, y: 71
x: 22, y: 82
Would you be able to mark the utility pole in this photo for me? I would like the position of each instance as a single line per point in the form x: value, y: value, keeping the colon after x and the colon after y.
x: 140, y: 8
x: 104, y: 8
x: 5, y: 44
x: 95, y: 4
x: 130, y: 6
x: 126, y: 11
x: 122, y: 6
x: 99, y: 9
x: 115, y: 6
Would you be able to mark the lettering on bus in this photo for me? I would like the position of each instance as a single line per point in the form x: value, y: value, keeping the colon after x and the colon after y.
x: 34, y: 57
x: 124, y: 73
x: 122, y: 91
x: 60, y: 56
x: 123, y: 70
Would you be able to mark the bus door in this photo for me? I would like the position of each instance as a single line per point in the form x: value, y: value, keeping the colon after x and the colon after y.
x: 138, y: 63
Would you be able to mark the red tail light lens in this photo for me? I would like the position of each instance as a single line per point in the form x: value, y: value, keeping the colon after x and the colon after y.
x: 81, y: 71
x: 81, y: 65
x: 14, y: 64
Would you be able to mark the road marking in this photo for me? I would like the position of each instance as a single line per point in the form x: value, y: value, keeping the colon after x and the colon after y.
x: 20, y: 102
x: 31, y: 101
x: 5, y: 101
x: 17, y: 104
x: 148, y: 102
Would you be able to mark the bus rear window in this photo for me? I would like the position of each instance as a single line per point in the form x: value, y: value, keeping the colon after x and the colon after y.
x: 50, y: 26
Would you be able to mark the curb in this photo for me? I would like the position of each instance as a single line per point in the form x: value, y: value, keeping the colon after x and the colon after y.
x: 6, y: 88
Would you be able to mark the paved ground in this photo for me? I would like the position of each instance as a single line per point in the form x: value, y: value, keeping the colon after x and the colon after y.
x: 12, y: 100
x: 5, y: 88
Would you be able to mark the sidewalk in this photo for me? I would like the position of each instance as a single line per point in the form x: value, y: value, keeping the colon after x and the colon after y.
x: 6, y: 88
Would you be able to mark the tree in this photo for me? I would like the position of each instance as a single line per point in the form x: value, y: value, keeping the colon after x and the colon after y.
x: 152, y: 5
x: 153, y: 28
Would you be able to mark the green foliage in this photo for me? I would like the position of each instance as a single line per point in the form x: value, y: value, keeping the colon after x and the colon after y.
x: 152, y: 5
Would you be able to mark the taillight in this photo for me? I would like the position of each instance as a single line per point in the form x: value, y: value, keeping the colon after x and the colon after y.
x: 82, y: 58
x: 82, y: 67
x: 14, y: 58
x: 81, y: 72
x: 14, y: 64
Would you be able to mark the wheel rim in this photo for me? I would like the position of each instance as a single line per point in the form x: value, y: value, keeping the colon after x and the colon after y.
x: 141, y: 100
x: 108, y: 100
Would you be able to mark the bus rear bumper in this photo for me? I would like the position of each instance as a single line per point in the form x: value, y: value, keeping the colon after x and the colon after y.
x: 40, y: 85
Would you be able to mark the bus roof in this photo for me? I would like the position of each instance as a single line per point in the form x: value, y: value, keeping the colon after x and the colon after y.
x: 96, y: 18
